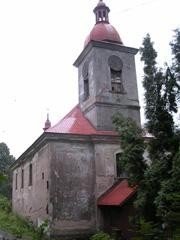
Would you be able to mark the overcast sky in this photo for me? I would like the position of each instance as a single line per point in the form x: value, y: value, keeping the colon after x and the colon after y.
x: 40, y: 40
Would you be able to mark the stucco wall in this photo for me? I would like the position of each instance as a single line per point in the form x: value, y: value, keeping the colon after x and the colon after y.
x: 32, y: 201
x: 72, y: 188
x: 105, y: 161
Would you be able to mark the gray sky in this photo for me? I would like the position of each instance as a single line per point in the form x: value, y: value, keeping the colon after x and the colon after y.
x: 40, y: 40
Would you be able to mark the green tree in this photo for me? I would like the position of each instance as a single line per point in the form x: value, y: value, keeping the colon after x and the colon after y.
x: 161, y: 89
x: 133, y: 146
x: 5, y: 161
x: 5, y: 158
x: 163, y: 86
x: 2, y: 178
x: 158, y: 195
x: 175, y: 47
x: 168, y: 198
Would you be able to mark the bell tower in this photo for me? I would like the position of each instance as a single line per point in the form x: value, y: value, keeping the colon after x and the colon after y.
x: 107, y: 74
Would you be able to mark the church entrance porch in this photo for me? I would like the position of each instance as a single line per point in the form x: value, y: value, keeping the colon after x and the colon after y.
x: 116, y: 208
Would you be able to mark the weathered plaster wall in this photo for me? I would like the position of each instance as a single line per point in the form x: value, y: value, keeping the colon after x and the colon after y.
x: 72, y: 188
x: 32, y: 201
x: 99, y: 112
x: 105, y: 166
x: 78, y: 171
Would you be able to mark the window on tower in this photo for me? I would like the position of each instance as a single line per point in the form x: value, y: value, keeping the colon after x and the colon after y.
x: 86, y: 88
x: 116, y: 81
x: 86, y: 81
x: 116, y: 66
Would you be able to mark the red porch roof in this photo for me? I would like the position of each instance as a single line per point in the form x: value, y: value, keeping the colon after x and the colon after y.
x: 117, y: 194
x: 76, y: 123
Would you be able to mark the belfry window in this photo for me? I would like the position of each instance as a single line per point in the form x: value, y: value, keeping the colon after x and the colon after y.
x: 116, y: 66
x: 116, y: 81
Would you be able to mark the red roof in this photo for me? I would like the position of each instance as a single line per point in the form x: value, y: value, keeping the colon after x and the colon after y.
x: 76, y: 123
x: 117, y: 194
x: 103, y: 32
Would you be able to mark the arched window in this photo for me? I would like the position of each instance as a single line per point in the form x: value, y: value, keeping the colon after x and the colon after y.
x: 100, y: 16
x: 103, y: 15
x: 120, y: 173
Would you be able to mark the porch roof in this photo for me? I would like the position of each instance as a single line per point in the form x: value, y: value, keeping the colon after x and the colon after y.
x: 117, y: 195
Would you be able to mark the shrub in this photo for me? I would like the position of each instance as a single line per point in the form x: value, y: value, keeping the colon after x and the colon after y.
x: 19, y: 227
x: 5, y: 204
x: 101, y: 236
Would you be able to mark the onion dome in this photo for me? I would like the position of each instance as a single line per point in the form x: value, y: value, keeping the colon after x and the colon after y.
x: 47, y: 123
x: 103, y: 30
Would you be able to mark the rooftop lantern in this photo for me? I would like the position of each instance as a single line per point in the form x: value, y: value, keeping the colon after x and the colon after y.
x: 101, y: 12
x: 103, y: 30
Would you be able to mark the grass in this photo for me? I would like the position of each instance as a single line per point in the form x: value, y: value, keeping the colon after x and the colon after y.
x: 15, y: 225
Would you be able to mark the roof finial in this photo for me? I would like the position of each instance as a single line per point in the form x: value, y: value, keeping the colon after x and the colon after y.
x: 47, y: 123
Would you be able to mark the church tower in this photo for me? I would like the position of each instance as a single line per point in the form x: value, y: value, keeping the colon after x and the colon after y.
x: 107, y: 74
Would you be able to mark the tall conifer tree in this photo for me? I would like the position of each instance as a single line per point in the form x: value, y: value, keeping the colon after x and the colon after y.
x: 161, y: 97
x: 158, y: 195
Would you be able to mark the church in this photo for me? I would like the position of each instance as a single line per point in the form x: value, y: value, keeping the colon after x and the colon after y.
x: 69, y: 175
